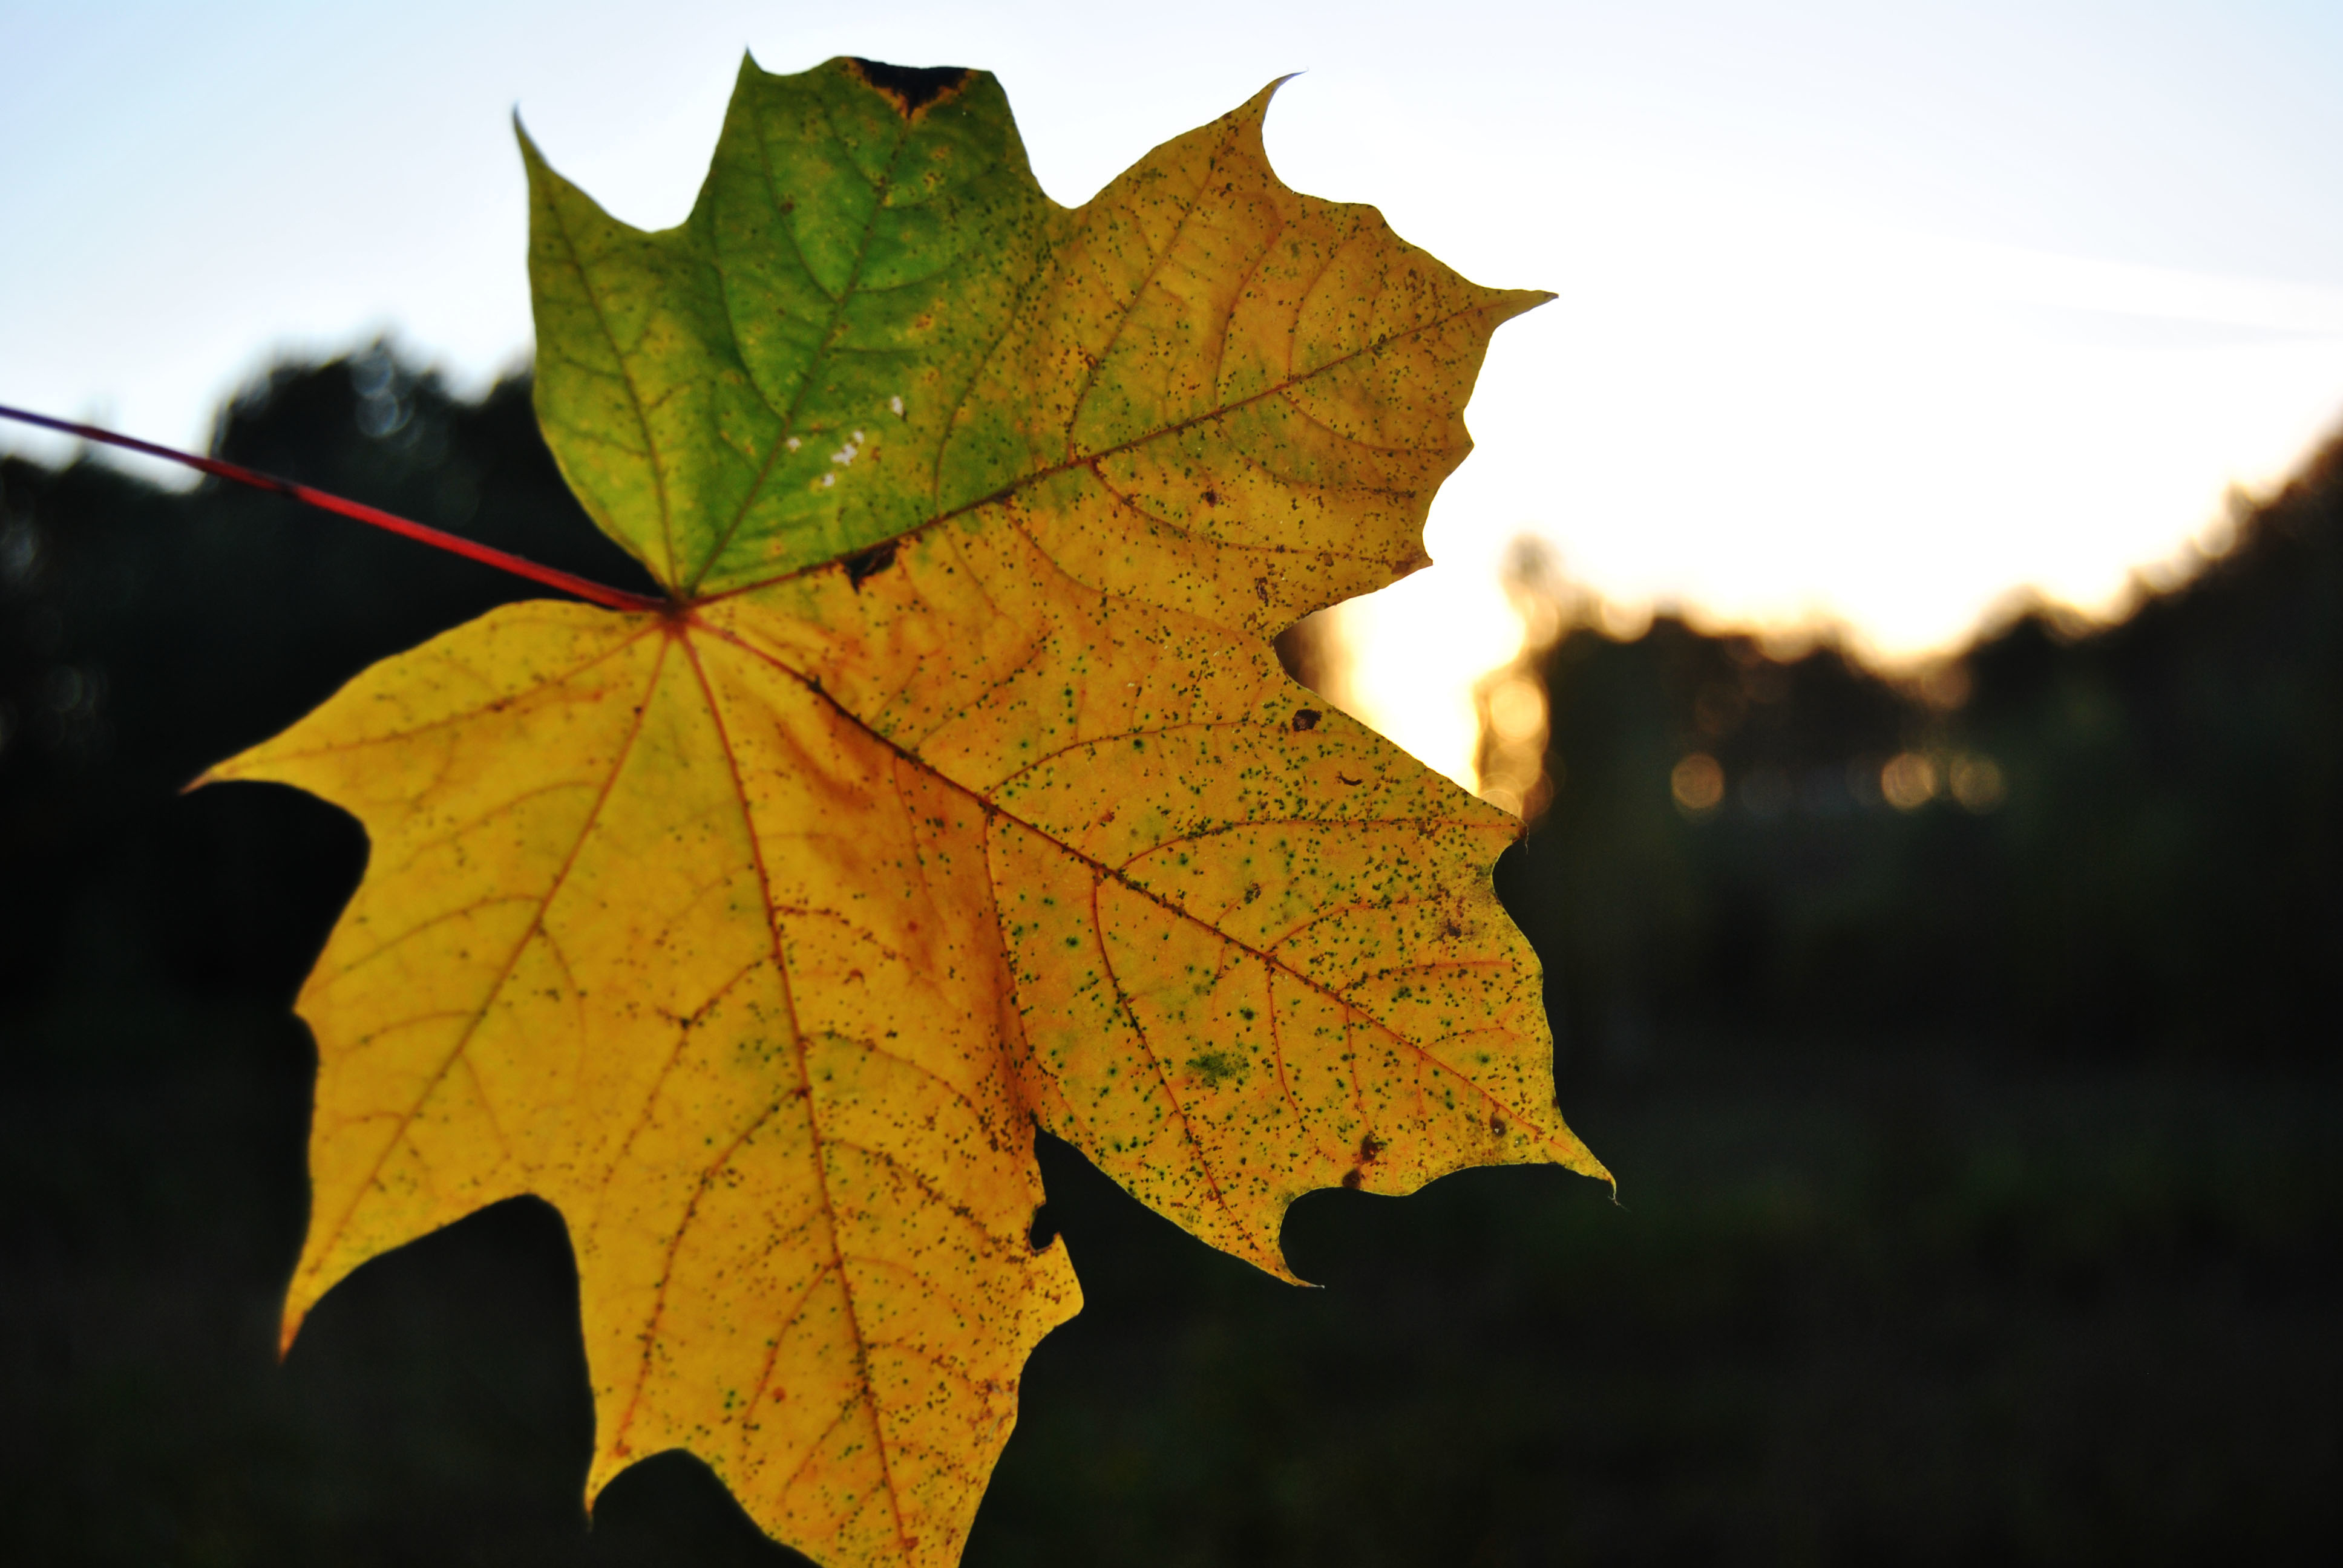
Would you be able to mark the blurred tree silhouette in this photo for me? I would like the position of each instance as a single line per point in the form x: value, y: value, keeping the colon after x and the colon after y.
x: 2119, y: 840
x: 2056, y: 1284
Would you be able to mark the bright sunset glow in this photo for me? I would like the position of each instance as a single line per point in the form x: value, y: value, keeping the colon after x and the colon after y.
x: 1865, y: 319
x: 1885, y: 433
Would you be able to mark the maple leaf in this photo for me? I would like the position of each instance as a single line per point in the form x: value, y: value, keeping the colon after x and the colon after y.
x: 953, y: 789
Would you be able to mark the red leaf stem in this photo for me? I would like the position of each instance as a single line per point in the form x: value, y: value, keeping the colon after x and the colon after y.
x: 437, y: 538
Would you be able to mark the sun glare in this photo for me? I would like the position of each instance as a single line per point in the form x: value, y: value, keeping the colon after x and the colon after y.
x: 1786, y: 421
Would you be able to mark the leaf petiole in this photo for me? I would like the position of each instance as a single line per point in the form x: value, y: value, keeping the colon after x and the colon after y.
x: 437, y: 538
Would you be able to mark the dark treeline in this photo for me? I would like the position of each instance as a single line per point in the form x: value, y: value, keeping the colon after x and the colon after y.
x: 153, y: 1084
x: 151, y: 633
x: 2117, y: 840
x: 1982, y: 1163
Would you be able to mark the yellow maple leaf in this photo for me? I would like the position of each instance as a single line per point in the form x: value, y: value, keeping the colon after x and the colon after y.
x: 954, y: 788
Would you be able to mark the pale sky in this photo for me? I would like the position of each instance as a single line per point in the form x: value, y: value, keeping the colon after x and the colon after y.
x: 1869, y: 312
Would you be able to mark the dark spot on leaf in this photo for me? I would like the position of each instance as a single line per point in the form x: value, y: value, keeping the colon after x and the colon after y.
x: 1346, y: 778
x: 1214, y: 1065
x: 913, y: 88
x: 1352, y: 1178
x: 1212, y: 497
x: 1369, y: 1147
x: 1451, y: 928
x: 1043, y: 1232
x: 1497, y: 1125
x: 1306, y: 718
x: 869, y: 563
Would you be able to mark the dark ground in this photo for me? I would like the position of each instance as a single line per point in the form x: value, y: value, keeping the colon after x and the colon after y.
x: 1991, y: 1268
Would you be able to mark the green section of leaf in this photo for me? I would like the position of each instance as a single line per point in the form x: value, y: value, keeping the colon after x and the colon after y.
x: 770, y: 385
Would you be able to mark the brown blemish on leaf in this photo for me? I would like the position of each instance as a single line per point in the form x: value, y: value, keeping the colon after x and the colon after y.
x: 867, y: 564
x: 1306, y: 718
x: 911, y: 88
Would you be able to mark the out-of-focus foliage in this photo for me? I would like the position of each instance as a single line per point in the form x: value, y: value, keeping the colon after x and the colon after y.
x: 2119, y: 841
x: 148, y: 631
x: 1991, y: 1300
